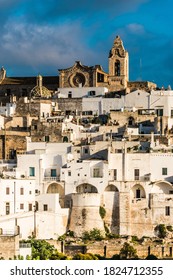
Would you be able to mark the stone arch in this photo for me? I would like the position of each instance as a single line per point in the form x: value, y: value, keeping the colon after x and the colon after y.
x: 162, y: 187
x: 86, y: 188
x: 111, y: 188
x: 138, y: 192
x: 55, y: 188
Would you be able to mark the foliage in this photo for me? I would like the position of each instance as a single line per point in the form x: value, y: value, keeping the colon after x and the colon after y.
x: 135, y: 238
x: 94, y: 235
x: 116, y: 257
x: 102, y: 212
x: 161, y: 229
x: 87, y: 256
x: 42, y: 250
x: 128, y: 252
x: 169, y: 228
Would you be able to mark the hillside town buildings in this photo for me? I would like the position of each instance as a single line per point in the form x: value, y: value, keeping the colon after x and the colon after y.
x: 87, y: 139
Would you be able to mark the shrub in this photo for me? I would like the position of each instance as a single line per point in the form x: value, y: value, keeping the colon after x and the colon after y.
x: 128, y: 252
x: 81, y: 256
x: 94, y: 234
x: 102, y: 212
x: 161, y: 229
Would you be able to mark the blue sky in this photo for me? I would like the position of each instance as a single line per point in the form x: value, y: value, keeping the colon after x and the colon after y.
x: 42, y: 36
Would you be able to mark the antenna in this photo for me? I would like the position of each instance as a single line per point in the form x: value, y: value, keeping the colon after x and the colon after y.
x: 140, y: 66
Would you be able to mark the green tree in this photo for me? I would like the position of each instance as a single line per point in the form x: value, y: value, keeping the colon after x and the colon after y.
x: 161, y: 229
x: 128, y: 252
x: 42, y: 250
x: 94, y: 235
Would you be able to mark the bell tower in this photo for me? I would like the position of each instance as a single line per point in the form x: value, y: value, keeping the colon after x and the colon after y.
x: 118, y: 66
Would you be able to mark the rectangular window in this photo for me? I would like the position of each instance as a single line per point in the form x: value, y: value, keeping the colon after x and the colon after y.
x: 7, y: 208
x: 167, y: 211
x: 32, y: 171
x: 53, y: 172
x: 164, y: 171
x: 86, y: 151
x: 7, y: 190
x: 21, y: 206
x: 136, y: 174
x: 96, y: 173
x: 30, y: 207
x: 21, y: 191
x: 115, y: 174
x: 45, y: 207
x: 69, y: 173
x: 159, y: 112
x: 46, y: 138
x: 171, y: 113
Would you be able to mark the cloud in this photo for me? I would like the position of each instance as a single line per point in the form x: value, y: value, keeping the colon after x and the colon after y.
x: 136, y: 29
x: 38, y: 46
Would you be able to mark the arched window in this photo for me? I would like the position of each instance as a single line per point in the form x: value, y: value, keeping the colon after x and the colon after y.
x: 117, y: 68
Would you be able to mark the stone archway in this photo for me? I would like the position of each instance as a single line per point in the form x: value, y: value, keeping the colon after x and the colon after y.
x: 55, y: 188
x: 162, y: 187
x: 86, y: 188
x: 137, y: 192
x: 111, y: 188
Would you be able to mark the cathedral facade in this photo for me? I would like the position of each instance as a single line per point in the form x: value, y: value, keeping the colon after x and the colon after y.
x: 84, y: 76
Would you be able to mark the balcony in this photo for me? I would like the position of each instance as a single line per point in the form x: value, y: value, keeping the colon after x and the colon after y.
x: 51, y: 179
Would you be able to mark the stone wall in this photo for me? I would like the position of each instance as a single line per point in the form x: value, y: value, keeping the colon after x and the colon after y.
x: 67, y: 104
x: 9, y: 246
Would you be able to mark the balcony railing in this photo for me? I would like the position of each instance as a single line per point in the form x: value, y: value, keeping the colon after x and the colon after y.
x: 50, y: 179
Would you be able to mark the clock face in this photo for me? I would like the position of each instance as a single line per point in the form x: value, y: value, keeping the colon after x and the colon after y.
x: 78, y: 79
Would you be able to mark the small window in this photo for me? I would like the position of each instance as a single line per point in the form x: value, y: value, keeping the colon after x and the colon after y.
x: 171, y: 113
x: 115, y: 174
x: 32, y: 171
x: 21, y: 206
x: 136, y: 174
x: 159, y: 112
x: 45, y: 207
x: 86, y: 151
x: 69, y: 173
x: 69, y: 95
x: 30, y: 207
x: 7, y: 190
x: 167, y: 211
x: 164, y: 171
x: 53, y: 172
x: 47, y: 138
x: 138, y: 193
x: 21, y: 191
x: 7, y: 207
x: 96, y: 173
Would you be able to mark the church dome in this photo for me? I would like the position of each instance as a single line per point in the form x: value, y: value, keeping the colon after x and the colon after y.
x: 39, y: 90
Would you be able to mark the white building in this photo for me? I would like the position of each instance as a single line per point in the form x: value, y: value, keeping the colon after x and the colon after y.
x: 81, y: 92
